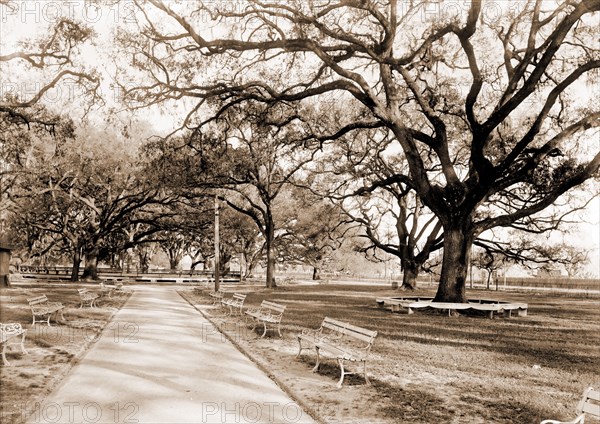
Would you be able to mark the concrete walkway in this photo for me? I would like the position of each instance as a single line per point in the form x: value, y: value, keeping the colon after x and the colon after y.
x: 161, y: 361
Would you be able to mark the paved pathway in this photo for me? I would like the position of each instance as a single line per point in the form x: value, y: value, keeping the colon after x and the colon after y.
x: 160, y: 361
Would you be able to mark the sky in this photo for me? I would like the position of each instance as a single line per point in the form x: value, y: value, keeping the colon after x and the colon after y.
x: 31, y: 18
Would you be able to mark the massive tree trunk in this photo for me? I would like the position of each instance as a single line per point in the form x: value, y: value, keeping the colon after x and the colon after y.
x: 316, y: 274
x: 409, y: 275
x: 173, y: 263
x: 76, y: 265
x: 455, y: 265
x: 90, y: 271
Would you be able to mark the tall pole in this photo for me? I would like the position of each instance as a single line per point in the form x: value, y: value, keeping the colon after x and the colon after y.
x: 217, y: 249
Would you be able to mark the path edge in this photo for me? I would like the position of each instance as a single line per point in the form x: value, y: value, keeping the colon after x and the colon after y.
x: 307, y: 409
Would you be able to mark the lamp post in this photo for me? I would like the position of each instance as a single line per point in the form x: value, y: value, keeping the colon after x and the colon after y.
x: 217, y: 249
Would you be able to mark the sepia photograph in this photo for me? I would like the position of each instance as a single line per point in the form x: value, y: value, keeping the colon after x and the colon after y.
x: 300, y: 211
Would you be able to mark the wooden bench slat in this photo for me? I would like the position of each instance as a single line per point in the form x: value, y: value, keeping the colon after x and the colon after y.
x: 591, y: 408
x: 593, y: 394
x: 589, y: 403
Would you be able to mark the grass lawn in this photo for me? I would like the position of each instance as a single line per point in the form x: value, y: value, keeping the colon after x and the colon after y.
x: 426, y: 367
x: 52, y: 351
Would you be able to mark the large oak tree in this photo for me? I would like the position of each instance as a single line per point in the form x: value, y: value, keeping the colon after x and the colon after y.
x: 492, y: 97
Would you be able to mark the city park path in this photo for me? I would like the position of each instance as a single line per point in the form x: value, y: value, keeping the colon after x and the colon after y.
x: 160, y: 361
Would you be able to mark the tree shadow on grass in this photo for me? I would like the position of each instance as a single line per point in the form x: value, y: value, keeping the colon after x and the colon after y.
x: 412, y: 405
x: 504, y: 410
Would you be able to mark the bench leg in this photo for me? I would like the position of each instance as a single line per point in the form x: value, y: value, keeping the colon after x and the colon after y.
x: 254, y: 324
x: 299, y: 347
x: 264, y: 332
x: 316, y: 368
x: 23, y: 343
x: 279, y: 329
x: 4, y: 360
x: 343, y: 373
x: 365, y: 372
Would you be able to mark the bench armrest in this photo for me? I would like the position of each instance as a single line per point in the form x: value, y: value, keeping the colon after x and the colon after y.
x: 578, y: 420
x: 311, y: 332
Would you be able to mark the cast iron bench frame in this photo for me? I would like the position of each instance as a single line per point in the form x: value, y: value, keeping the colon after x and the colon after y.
x: 268, y: 313
x: 236, y: 301
x: 86, y: 296
x: 8, y: 332
x: 42, y: 307
x: 339, y: 339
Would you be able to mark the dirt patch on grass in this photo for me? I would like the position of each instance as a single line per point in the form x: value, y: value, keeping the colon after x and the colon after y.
x: 52, y: 351
x: 429, y: 368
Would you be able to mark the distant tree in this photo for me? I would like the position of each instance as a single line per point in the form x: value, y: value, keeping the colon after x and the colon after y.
x: 531, y: 252
x: 315, y: 232
x: 415, y: 233
x: 247, y: 159
x: 575, y: 259
x: 83, y: 191
x: 489, y: 261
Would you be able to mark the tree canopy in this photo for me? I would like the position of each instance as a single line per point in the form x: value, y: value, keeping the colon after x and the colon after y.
x: 490, y: 101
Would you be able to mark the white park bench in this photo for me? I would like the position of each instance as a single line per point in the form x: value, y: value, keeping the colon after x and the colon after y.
x: 343, y: 341
x: 9, y: 332
x: 268, y: 313
x: 42, y: 307
x: 217, y: 296
x: 86, y: 296
x: 589, y: 404
x: 235, y: 302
